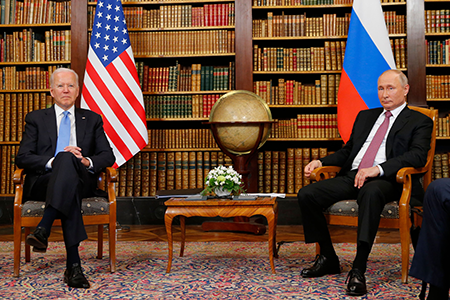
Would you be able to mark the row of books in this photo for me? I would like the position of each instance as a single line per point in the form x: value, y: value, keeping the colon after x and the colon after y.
x: 278, y: 171
x: 13, y: 109
x: 438, y: 86
x: 298, y: 2
x: 437, y: 20
x: 327, y: 25
x: 179, y: 106
x: 309, y: 2
x: 329, y: 57
x: 186, y: 78
x: 443, y: 127
x: 30, y: 46
x: 176, y: 16
x: 31, y: 78
x: 299, y: 25
x: 291, y: 92
x: 35, y: 11
x: 146, y: 172
x: 398, y: 47
x: 180, y: 139
x: 440, y: 166
x: 306, y: 126
x: 7, y: 156
x: 182, y: 42
x: 283, y: 171
x: 395, y: 24
x: 438, y: 52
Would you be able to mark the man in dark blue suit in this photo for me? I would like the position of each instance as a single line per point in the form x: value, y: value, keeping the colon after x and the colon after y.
x: 404, y: 142
x: 431, y: 261
x: 63, y: 174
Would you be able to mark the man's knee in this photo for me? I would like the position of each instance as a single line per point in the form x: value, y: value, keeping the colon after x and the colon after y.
x: 306, y: 194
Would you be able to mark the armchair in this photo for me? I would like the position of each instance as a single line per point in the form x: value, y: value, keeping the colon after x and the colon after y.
x: 96, y: 211
x: 395, y: 214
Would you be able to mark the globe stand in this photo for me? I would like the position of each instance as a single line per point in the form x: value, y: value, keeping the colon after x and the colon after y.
x: 240, y: 164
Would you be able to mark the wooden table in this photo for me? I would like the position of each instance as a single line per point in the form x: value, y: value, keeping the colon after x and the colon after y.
x: 265, y: 206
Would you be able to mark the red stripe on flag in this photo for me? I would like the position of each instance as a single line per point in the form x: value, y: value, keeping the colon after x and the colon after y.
x: 348, y: 110
x: 126, y: 91
x: 115, y: 106
x: 112, y: 134
x: 131, y: 66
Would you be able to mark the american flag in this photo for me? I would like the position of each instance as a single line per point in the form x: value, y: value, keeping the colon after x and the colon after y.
x: 111, y: 84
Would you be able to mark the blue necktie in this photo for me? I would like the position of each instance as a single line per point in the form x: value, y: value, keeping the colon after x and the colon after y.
x: 64, y: 133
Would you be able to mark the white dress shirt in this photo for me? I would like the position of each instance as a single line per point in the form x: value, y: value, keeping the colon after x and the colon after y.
x: 73, y: 133
x: 381, y: 154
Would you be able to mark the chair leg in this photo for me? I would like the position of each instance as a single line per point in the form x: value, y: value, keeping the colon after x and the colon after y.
x: 27, y: 247
x: 405, y: 241
x: 17, y: 246
x: 112, y: 246
x: 100, y: 242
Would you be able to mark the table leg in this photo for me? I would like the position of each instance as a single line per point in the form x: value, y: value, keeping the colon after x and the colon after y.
x: 275, y: 251
x: 183, y: 234
x: 271, y: 216
x: 168, y: 222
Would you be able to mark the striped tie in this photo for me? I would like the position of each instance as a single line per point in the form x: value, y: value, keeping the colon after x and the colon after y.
x: 369, y: 156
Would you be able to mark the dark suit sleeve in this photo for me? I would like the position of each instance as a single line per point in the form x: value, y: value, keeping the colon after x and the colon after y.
x: 416, y: 140
x: 34, y: 153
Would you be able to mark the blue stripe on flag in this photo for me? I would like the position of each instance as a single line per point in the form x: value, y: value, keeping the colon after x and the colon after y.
x: 361, y: 49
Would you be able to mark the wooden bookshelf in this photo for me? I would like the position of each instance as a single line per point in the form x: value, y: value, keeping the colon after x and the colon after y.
x: 33, y: 44
x: 437, y: 38
x: 245, y: 76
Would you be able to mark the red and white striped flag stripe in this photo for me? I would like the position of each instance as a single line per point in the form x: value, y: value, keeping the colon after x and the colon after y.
x: 111, y: 85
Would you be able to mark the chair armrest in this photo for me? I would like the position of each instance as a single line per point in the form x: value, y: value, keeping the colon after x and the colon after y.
x: 19, y: 176
x: 404, y: 177
x: 18, y: 179
x: 111, y: 175
x: 404, y: 172
x: 323, y: 173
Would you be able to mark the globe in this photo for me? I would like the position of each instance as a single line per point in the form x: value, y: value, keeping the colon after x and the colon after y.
x: 234, y: 108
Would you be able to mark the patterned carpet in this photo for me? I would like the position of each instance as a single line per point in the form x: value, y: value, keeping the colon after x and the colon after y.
x: 237, y: 270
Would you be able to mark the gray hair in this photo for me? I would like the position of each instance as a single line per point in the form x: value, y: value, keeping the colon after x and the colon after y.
x: 401, y: 76
x: 59, y: 70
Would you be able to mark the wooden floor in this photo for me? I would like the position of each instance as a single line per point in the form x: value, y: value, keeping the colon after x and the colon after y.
x: 340, y: 234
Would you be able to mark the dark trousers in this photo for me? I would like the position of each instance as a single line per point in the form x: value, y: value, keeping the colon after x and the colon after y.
x: 431, y: 261
x: 63, y: 188
x: 371, y: 198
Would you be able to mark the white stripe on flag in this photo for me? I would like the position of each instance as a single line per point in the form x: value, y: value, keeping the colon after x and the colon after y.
x: 369, y: 13
x: 110, y: 115
x: 114, y: 90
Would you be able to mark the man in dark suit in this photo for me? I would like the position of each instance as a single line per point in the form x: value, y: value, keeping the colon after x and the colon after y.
x: 367, y: 174
x: 431, y: 261
x: 62, y: 149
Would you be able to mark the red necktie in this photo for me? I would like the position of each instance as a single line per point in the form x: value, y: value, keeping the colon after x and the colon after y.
x: 369, y: 156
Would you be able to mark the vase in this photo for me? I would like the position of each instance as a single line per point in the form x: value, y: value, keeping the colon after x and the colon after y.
x: 222, y: 192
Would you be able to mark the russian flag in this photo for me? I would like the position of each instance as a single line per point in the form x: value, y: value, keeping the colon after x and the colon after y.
x: 368, y: 53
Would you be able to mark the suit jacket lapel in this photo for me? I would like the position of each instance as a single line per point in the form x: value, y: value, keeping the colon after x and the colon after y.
x: 80, y: 123
x: 400, y: 121
x: 51, y: 126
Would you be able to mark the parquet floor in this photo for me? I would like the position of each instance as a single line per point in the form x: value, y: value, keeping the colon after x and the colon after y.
x: 194, y: 233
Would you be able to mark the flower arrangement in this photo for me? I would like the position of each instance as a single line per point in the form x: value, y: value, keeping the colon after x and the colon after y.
x: 223, y: 178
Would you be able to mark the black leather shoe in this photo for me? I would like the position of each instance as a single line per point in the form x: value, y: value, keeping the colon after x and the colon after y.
x: 356, y: 285
x: 322, y: 266
x: 40, y: 250
x: 74, y: 277
x: 38, y: 239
